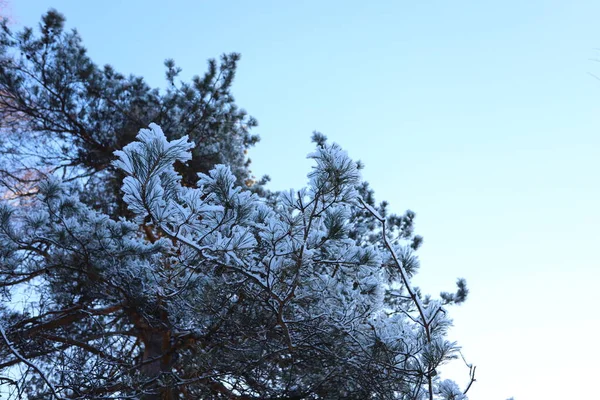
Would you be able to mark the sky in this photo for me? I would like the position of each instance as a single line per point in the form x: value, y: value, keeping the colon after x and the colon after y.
x: 480, y: 116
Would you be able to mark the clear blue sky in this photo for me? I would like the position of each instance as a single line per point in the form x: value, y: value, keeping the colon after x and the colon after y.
x: 480, y: 116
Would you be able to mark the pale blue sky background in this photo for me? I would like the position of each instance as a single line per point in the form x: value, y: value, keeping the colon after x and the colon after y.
x: 480, y: 116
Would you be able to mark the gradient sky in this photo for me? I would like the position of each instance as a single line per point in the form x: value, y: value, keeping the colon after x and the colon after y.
x: 480, y: 116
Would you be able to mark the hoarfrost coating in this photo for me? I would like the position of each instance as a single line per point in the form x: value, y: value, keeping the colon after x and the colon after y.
x: 227, y: 292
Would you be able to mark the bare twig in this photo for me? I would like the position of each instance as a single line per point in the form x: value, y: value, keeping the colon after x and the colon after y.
x: 471, y: 373
x: 29, y: 363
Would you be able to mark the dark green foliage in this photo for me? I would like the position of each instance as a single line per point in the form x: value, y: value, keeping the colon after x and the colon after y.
x: 461, y: 293
x: 75, y: 114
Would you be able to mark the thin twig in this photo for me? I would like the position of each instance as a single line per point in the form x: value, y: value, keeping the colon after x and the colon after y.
x: 29, y: 363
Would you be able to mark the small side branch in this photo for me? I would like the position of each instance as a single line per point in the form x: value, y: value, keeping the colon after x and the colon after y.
x: 29, y: 363
x: 406, y: 281
x: 472, y: 376
x: 471, y: 373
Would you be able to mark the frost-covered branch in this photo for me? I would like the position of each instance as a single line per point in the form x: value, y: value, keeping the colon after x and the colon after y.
x: 427, y: 314
x: 211, y: 290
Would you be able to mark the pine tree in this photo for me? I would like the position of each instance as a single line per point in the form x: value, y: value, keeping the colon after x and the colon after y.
x: 211, y: 292
x: 182, y: 283
x: 61, y: 113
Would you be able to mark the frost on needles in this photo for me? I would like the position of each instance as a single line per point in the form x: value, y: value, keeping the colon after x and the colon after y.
x: 214, y: 292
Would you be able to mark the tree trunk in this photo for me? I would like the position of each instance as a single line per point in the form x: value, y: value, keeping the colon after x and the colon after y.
x: 158, y: 360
